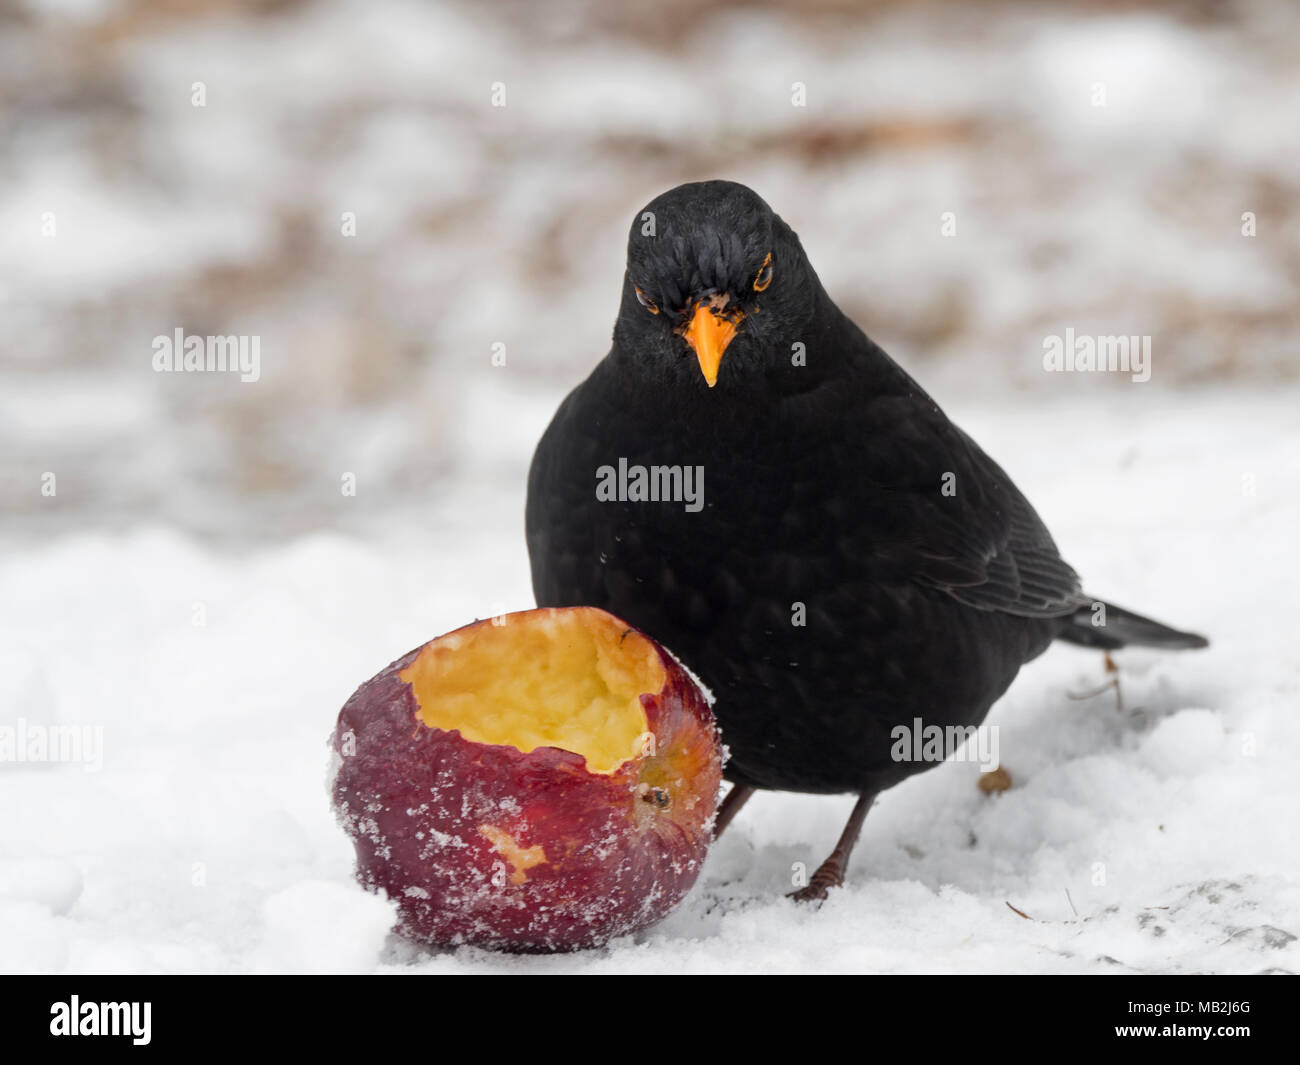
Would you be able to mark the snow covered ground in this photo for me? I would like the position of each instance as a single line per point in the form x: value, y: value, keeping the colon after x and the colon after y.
x: 1159, y: 837
x: 199, y: 598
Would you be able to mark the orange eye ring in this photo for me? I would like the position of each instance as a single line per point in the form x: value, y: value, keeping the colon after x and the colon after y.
x: 646, y: 301
x: 764, y: 276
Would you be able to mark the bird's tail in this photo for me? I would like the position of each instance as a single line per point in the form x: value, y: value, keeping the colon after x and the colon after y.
x: 1106, y: 626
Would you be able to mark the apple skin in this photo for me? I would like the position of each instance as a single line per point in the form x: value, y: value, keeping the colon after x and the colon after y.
x: 586, y: 857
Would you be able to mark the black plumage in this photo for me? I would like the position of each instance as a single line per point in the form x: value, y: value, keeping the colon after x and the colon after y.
x: 835, y: 492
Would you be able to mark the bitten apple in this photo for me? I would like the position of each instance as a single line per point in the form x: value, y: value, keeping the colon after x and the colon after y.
x: 539, y: 781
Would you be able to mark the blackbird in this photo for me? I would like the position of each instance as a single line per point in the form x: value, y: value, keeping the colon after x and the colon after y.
x: 748, y: 478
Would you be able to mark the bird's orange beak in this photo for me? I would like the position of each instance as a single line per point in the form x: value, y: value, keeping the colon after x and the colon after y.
x: 708, y: 333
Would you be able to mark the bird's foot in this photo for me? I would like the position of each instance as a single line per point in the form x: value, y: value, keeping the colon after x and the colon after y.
x: 831, y: 872
x: 819, y: 886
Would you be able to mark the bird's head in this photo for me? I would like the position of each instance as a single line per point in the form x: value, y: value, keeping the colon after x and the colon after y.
x: 713, y: 274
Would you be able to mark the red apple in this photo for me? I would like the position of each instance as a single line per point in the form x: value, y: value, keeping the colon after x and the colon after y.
x: 540, y: 781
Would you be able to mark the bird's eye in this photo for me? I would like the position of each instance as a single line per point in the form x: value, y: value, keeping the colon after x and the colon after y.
x: 646, y: 301
x: 764, y: 276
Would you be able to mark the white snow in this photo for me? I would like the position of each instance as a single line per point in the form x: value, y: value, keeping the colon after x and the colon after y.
x: 1157, y: 837
x: 322, y: 927
x: 201, y: 593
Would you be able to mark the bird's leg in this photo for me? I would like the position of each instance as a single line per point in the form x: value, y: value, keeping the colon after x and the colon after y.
x: 730, y: 806
x: 831, y: 872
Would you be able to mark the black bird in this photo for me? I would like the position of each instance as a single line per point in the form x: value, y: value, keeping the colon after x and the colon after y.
x: 810, y: 533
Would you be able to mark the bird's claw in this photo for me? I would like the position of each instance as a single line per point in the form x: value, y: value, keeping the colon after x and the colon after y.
x: 817, y: 888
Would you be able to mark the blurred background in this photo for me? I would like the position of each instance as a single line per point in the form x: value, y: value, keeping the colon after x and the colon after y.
x: 191, y: 164
x: 419, y: 211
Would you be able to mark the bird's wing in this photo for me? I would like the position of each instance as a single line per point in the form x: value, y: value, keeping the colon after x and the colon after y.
x: 562, y: 538
x: 955, y: 521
